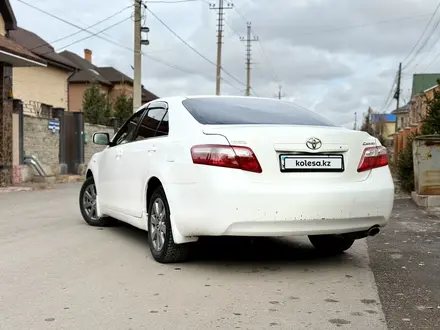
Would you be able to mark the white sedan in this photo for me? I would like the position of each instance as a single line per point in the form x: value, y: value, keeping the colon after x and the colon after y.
x: 185, y: 167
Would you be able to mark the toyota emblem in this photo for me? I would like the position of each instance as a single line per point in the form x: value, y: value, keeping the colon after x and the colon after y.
x: 313, y: 143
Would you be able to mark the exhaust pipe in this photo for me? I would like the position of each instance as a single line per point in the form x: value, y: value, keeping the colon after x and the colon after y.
x: 373, y: 231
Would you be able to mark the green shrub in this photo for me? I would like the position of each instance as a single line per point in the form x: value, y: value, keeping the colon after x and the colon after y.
x: 405, y: 166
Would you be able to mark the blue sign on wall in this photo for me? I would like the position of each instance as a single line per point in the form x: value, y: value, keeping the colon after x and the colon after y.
x: 54, y: 125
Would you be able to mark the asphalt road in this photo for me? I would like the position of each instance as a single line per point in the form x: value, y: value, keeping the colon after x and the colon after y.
x: 405, y: 260
x: 58, y: 273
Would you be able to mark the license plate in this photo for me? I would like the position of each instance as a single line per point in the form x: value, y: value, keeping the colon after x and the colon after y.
x: 312, y: 163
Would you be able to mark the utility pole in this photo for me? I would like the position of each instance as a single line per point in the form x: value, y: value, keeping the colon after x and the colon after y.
x: 220, y: 21
x: 279, y: 92
x: 248, y: 41
x: 397, y: 93
x: 355, y: 121
x: 137, y: 89
x: 138, y: 42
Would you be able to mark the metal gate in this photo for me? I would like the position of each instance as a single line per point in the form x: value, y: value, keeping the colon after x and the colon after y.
x: 5, y: 126
x: 73, y: 130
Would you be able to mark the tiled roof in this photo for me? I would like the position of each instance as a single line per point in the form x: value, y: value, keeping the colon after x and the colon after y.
x: 12, y: 47
x: 104, y: 75
x: 147, y: 96
x: 113, y: 75
x: 88, y: 72
x: 403, y: 109
x: 40, y: 47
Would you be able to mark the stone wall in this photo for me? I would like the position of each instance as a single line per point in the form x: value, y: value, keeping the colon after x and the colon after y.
x: 40, y: 142
x: 89, y: 147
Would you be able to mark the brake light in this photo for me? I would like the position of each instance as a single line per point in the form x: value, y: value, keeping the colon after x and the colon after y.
x: 373, y: 157
x: 226, y: 156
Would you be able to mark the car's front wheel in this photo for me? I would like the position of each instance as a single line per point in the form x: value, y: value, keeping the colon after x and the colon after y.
x: 87, y: 204
x: 160, y: 235
x: 331, y: 244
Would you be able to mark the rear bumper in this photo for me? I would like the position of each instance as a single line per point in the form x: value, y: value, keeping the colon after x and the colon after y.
x: 257, y: 209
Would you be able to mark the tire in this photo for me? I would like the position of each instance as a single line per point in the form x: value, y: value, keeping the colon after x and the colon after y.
x: 331, y: 244
x: 161, y: 243
x: 87, y: 214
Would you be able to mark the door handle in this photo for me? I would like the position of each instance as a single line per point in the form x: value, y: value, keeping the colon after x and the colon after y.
x: 119, y: 153
x: 152, y: 149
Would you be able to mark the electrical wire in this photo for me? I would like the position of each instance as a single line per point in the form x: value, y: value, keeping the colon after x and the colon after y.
x: 78, y: 32
x: 96, y: 34
x: 74, y: 25
x: 421, y: 36
x: 191, y: 47
x: 186, y: 70
x: 232, y: 29
x: 389, y: 98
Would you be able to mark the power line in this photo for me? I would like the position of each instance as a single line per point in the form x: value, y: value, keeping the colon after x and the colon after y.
x: 191, y: 47
x: 92, y: 35
x: 174, y: 66
x: 96, y: 34
x: 78, y: 32
x: 74, y: 25
x: 423, y: 33
x: 421, y: 36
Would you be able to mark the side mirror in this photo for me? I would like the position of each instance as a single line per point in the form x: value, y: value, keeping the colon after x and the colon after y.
x: 101, y: 138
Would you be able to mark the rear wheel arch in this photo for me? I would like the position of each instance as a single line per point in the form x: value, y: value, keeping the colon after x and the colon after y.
x: 89, y: 174
x: 151, y: 186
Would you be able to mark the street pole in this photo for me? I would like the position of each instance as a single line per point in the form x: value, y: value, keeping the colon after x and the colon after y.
x: 279, y: 91
x: 220, y: 21
x: 248, y: 41
x: 397, y: 94
x: 137, y: 86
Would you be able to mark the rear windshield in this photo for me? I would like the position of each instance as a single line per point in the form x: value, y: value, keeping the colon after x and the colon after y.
x: 248, y: 111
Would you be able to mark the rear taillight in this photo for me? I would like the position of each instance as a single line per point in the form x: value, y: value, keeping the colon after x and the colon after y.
x: 373, y: 157
x: 226, y: 156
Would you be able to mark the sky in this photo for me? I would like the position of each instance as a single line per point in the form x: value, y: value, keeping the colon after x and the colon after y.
x: 335, y: 57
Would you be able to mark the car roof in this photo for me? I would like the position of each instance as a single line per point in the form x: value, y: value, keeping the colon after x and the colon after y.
x: 171, y: 99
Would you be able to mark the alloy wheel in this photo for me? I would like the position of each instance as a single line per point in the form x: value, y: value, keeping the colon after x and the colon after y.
x: 157, y: 224
x: 89, y: 202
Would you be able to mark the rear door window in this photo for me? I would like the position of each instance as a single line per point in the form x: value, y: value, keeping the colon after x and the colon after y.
x: 155, y: 123
x: 251, y: 111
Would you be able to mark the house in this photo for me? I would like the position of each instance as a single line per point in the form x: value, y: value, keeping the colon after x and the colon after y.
x: 402, y: 116
x: 384, y: 125
x: 418, y: 107
x: 423, y: 81
x: 41, y: 88
x: 111, y: 81
x: 12, y: 56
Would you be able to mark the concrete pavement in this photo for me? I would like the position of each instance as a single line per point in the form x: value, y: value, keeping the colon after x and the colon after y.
x: 405, y: 259
x: 58, y: 273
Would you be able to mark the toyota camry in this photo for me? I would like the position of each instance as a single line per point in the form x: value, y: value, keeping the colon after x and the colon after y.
x: 185, y: 167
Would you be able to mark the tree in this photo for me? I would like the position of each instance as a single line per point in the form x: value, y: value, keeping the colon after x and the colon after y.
x: 431, y: 123
x: 405, y: 166
x: 366, y: 124
x: 123, y: 108
x: 96, y: 106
